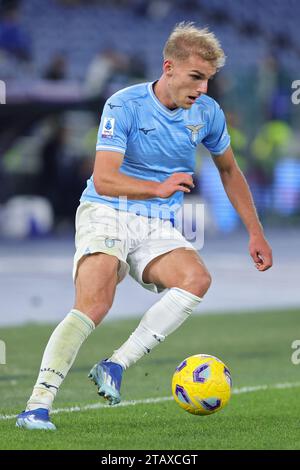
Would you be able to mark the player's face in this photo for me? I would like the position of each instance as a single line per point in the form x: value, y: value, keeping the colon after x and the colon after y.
x: 187, y: 80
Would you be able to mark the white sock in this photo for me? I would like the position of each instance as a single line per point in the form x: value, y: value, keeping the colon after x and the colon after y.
x: 159, y: 321
x: 59, y: 355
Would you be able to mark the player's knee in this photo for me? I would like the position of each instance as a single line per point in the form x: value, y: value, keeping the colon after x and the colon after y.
x: 206, y: 282
x: 197, y: 283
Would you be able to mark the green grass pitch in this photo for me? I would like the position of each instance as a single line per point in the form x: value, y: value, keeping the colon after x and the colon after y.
x: 255, y: 346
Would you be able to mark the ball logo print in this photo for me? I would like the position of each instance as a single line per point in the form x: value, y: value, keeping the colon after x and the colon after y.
x: 202, y: 384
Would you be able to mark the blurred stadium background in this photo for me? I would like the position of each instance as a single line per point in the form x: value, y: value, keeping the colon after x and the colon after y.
x: 60, y: 60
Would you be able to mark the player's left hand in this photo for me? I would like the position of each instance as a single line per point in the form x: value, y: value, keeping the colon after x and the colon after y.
x: 261, y: 252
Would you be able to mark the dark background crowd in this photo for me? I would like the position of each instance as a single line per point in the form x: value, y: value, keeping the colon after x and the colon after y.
x: 60, y: 60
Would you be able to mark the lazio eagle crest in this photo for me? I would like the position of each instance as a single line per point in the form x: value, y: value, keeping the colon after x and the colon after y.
x: 194, y: 132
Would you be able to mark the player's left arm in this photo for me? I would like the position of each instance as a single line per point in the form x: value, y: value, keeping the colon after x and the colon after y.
x: 240, y: 196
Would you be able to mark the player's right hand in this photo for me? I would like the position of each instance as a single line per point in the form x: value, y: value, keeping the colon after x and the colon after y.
x: 176, y: 182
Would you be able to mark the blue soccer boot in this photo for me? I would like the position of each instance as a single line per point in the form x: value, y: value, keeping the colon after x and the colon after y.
x: 108, y: 377
x: 35, y: 419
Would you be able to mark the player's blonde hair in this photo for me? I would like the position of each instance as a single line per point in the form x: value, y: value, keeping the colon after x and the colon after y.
x: 186, y: 40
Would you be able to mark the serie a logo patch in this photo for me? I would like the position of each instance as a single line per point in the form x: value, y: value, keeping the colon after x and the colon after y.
x: 108, y: 128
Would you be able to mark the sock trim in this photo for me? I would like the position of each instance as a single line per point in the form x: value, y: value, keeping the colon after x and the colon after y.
x: 187, y: 294
x: 84, y: 318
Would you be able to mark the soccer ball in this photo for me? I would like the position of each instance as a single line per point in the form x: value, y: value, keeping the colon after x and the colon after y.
x: 201, y: 384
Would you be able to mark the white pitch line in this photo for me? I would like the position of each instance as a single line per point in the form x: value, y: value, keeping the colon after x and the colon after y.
x: 146, y: 401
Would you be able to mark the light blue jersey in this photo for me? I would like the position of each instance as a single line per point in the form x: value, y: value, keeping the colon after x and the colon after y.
x: 156, y: 142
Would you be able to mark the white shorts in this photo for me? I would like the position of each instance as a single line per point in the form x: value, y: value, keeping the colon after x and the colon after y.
x: 135, y: 240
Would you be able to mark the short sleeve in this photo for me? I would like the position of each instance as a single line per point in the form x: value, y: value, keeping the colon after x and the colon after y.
x: 218, y: 138
x: 114, y: 127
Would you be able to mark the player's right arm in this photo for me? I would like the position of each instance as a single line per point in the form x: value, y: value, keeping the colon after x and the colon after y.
x: 109, y: 181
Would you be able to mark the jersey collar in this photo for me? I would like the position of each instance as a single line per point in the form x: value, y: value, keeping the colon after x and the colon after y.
x: 175, y: 113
